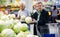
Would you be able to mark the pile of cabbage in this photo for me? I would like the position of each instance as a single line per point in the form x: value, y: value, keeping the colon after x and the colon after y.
x: 10, y: 27
x: 26, y: 19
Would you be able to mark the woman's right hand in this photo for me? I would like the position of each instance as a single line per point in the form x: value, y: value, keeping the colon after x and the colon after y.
x: 34, y: 21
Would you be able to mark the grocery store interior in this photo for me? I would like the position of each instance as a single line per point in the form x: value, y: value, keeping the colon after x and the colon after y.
x: 29, y: 18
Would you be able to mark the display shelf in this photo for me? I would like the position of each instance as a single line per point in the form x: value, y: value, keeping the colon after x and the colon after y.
x: 9, y: 7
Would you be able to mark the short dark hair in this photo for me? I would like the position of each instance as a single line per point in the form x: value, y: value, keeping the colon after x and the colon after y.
x: 39, y: 2
x: 54, y: 7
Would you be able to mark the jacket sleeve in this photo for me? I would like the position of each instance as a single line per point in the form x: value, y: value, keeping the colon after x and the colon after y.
x: 34, y: 16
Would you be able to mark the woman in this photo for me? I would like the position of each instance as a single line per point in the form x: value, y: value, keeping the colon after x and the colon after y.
x: 54, y: 14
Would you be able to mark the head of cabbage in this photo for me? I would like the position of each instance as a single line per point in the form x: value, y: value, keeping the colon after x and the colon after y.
x: 23, y: 34
x: 23, y: 27
x: 10, y: 23
x: 28, y: 20
x: 23, y: 17
x: 8, y: 33
x: 3, y: 25
x: 11, y: 16
x: 4, y: 18
x: 16, y: 27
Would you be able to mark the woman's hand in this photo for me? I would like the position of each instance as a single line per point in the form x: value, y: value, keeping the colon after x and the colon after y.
x: 34, y: 21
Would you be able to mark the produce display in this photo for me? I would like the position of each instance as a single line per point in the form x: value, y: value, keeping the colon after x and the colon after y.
x: 10, y: 27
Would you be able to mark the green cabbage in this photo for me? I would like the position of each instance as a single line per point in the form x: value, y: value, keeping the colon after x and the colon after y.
x: 8, y: 33
x: 23, y: 27
x: 2, y: 25
x: 28, y: 19
x: 16, y: 28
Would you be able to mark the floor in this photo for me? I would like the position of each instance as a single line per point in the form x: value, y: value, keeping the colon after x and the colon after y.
x: 53, y: 29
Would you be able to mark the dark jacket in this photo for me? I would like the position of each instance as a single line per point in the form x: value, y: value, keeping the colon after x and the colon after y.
x: 44, y: 17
